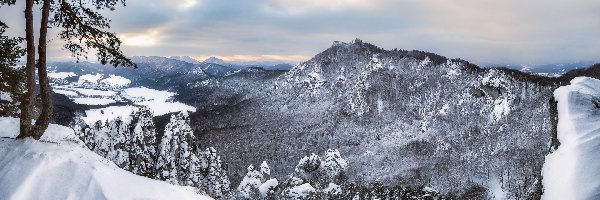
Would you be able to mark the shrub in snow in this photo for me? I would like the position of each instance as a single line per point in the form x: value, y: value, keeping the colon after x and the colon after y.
x: 301, y: 191
x: 255, y: 184
x: 320, y: 172
x: 248, y: 188
x: 268, y: 189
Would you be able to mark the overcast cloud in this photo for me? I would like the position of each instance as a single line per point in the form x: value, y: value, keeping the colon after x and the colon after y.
x: 516, y: 31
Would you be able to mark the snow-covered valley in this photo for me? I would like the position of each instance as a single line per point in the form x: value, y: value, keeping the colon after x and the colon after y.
x: 112, y: 96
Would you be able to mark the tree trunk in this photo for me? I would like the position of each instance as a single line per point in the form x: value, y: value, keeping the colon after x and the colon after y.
x: 28, y: 98
x: 41, y: 124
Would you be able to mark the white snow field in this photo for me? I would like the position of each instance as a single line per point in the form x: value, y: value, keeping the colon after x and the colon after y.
x: 59, y: 167
x: 93, y: 101
x: 116, y: 81
x: 158, y: 101
x: 61, y: 75
x: 89, y: 78
x: 573, y: 170
x: 108, y: 113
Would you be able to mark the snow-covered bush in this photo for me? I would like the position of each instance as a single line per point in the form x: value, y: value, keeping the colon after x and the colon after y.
x: 256, y: 184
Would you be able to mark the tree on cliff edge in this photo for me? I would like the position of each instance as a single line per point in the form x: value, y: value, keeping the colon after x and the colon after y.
x: 82, y: 28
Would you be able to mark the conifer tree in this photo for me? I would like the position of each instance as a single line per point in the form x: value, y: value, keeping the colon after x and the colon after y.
x: 143, y: 143
x: 119, y: 147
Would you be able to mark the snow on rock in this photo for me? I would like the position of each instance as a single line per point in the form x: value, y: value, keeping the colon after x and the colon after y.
x: 333, y: 189
x: 61, y: 75
x: 5, y: 96
x: 116, y: 81
x: 573, y: 170
x: 301, y: 191
x: 59, y: 167
x: 108, y: 113
x: 267, y: 186
x: 158, y: 101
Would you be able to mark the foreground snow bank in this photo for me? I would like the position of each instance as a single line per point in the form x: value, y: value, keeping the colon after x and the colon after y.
x: 59, y: 167
x: 573, y: 171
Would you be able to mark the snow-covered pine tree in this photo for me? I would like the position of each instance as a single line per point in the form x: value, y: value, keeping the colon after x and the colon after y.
x: 90, y: 135
x: 167, y: 157
x: 119, y: 143
x: 185, y: 148
x: 101, y: 138
x: 216, y: 180
x: 143, y: 143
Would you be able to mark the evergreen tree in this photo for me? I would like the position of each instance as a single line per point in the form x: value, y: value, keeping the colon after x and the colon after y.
x: 166, y: 163
x: 216, y: 180
x: 143, y: 143
x: 82, y: 29
x: 176, y: 151
x: 119, y: 147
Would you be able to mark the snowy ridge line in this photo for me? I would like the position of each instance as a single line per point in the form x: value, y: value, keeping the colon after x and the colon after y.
x: 573, y: 170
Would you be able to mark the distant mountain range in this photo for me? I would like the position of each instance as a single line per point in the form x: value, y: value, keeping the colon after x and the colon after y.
x: 269, y: 65
x: 552, y: 70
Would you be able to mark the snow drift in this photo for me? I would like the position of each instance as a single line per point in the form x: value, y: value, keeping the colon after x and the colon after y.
x: 60, y: 167
x: 573, y: 170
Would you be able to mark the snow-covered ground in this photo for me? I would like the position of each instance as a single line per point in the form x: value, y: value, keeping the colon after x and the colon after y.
x: 92, y: 92
x: 108, y: 113
x: 60, y: 167
x: 573, y: 170
x: 89, y: 78
x: 61, y: 75
x: 116, y: 81
x: 158, y: 101
x: 93, y: 101
x: 65, y: 92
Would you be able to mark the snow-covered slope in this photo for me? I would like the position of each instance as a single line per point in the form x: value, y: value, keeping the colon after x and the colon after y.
x: 59, y: 167
x: 573, y: 170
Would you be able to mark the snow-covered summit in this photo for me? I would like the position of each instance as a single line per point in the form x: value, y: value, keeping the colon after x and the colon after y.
x: 573, y: 170
x: 59, y: 167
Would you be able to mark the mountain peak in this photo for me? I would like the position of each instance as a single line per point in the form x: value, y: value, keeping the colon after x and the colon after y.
x: 185, y: 59
x: 214, y: 60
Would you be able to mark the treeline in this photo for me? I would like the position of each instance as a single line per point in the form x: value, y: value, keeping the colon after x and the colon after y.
x: 133, y: 145
x: 175, y: 157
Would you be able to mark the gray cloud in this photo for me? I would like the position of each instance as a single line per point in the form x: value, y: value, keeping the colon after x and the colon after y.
x: 510, y: 30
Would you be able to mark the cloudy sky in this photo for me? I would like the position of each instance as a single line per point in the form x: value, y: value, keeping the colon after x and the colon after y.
x: 506, y: 31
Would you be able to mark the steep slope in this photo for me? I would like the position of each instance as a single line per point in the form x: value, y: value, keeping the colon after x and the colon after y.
x: 59, y: 167
x: 572, y: 171
x: 401, y: 117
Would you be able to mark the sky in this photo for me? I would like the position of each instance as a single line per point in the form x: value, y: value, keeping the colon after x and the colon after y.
x: 481, y: 31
